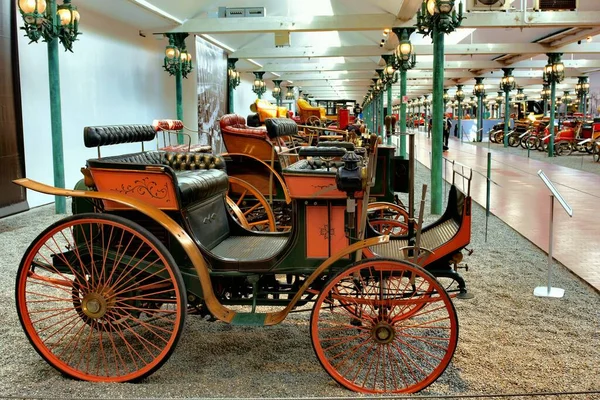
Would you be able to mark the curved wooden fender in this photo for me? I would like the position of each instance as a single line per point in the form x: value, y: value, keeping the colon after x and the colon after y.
x: 277, y: 317
x: 286, y: 191
x: 215, y: 307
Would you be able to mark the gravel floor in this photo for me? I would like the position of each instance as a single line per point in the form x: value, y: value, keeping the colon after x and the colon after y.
x: 510, y: 341
x: 577, y: 160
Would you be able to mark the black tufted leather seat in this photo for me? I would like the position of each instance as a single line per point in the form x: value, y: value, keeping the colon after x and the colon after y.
x: 198, y: 176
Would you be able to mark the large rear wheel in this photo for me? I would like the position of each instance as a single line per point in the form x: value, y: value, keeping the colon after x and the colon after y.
x: 384, y: 326
x: 100, y: 298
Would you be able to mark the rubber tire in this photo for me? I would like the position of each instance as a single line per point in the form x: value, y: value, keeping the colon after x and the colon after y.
x: 159, y: 246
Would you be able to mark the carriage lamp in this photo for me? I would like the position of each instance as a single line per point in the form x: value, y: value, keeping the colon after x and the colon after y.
x: 232, y: 74
x: 177, y: 59
x: 289, y: 95
x: 258, y: 86
x: 41, y: 23
x: 276, y: 90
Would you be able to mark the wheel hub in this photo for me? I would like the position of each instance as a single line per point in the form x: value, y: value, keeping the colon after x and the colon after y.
x: 94, y: 305
x: 383, y: 333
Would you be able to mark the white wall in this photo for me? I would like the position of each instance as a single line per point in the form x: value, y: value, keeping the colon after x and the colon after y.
x: 113, y: 77
x: 243, y: 96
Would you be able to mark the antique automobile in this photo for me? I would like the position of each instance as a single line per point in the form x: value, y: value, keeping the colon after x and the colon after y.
x: 103, y: 294
x: 259, y: 155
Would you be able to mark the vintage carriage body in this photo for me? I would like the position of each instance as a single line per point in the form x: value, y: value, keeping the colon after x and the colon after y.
x: 103, y: 294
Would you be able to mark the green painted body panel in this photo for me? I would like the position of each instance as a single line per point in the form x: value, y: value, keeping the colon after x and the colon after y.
x: 249, y: 319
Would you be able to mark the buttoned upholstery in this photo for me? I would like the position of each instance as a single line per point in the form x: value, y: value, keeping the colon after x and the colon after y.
x: 236, y: 124
x: 277, y: 127
x: 197, y: 176
x: 94, y: 136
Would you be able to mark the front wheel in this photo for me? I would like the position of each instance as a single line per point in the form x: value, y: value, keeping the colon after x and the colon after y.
x: 100, y: 298
x: 384, y: 326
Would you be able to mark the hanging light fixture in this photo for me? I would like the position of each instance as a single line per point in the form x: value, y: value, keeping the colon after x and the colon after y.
x: 276, y: 90
x: 41, y: 24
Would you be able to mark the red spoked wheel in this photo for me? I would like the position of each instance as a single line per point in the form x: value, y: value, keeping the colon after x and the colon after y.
x: 100, y: 298
x: 384, y: 326
x: 388, y: 218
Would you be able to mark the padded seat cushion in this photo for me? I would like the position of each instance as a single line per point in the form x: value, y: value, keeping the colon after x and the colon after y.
x: 310, y: 167
x: 308, y: 151
x: 250, y: 248
x: 344, y: 145
x: 198, y: 175
x: 236, y: 124
x: 200, y: 185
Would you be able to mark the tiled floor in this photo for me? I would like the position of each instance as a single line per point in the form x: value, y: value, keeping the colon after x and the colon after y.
x: 521, y: 200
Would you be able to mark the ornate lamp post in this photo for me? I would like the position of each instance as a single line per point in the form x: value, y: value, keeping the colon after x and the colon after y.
x: 419, y: 103
x: 479, y: 91
x: 258, y: 86
x: 381, y: 90
x: 233, y: 77
x: 289, y: 95
x: 459, y: 96
x: 437, y: 18
x: 277, y: 91
x: 446, y: 98
x: 426, y: 103
x: 391, y: 77
x: 545, y: 94
x: 44, y: 19
x: 582, y: 89
x: 405, y: 60
x: 178, y: 62
x: 567, y: 100
x: 554, y: 72
x: 507, y: 84
x: 499, y: 102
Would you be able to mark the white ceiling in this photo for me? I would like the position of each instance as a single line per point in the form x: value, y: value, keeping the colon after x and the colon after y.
x: 350, y: 75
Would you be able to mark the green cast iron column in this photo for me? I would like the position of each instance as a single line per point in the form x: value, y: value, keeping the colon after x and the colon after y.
x: 506, y: 116
x: 381, y: 117
x: 402, y: 113
x: 179, y: 97
x: 437, y: 122
x: 58, y: 163
x: 479, y: 118
x: 545, y: 107
x: 552, y: 117
x: 230, y: 95
x: 389, y: 108
x: 458, y: 121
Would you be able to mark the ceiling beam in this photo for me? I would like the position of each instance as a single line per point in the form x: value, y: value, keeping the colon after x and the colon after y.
x: 421, y: 50
x: 367, y: 22
x: 408, y: 9
x: 448, y: 65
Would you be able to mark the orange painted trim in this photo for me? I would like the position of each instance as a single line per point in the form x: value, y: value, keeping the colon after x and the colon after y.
x: 261, y: 199
x: 214, y: 306
x: 152, y: 186
x: 239, y: 215
x: 286, y: 191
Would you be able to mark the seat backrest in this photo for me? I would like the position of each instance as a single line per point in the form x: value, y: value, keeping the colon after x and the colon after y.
x: 97, y: 136
x: 208, y: 221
